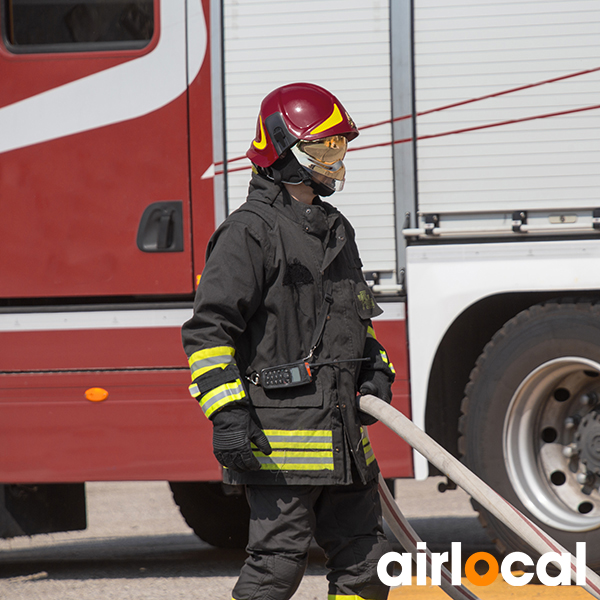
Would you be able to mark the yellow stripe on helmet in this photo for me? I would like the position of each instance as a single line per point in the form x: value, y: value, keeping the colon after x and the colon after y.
x: 262, y: 144
x: 331, y: 121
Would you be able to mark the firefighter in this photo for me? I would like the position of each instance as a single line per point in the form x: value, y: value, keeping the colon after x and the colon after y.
x: 279, y: 344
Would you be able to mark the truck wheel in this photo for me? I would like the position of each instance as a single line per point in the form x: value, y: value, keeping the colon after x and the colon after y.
x: 217, y: 518
x: 531, y: 423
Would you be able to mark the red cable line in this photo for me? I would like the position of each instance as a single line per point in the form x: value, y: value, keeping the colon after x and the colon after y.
x: 486, y: 97
x: 477, y: 127
x: 454, y: 105
x: 509, y: 122
x: 455, y: 131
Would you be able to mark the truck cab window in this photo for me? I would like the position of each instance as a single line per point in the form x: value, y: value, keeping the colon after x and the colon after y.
x: 77, y: 25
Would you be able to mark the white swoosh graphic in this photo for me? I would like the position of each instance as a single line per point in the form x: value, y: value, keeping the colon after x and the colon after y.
x: 117, y: 94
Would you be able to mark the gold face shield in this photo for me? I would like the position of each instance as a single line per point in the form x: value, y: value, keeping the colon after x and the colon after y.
x: 323, y: 160
x: 327, y: 151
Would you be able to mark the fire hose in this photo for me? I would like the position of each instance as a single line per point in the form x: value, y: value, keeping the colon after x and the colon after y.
x: 537, y: 539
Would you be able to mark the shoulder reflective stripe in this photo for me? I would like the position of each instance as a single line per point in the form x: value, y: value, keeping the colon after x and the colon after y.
x: 333, y: 119
x: 371, y: 333
x: 295, y: 461
x: 221, y: 395
x: 211, y: 358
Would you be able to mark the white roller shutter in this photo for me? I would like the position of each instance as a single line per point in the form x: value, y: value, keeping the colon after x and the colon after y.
x: 466, y: 49
x: 342, y: 45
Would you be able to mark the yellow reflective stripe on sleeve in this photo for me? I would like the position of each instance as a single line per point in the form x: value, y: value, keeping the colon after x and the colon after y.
x: 368, y: 450
x: 222, y: 395
x: 194, y: 390
x: 211, y: 358
x: 371, y: 333
x: 333, y: 119
x: 295, y: 461
x: 387, y: 361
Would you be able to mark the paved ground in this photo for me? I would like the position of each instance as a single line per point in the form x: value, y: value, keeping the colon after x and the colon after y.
x: 137, y: 547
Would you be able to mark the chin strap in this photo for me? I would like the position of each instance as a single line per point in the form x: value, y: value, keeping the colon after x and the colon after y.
x: 320, y: 189
x: 289, y: 170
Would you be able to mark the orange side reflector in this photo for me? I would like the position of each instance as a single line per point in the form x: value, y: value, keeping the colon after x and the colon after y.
x: 96, y: 394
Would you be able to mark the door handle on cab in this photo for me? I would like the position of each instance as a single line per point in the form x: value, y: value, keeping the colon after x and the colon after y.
x: 161, y: 227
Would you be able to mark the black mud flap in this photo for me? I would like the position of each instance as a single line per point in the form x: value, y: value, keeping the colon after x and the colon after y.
x: 28, y: 509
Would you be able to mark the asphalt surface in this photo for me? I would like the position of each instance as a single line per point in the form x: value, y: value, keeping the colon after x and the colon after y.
x: 138, y: 547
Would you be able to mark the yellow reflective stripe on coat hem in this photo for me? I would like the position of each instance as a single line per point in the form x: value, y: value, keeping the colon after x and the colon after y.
x: 295, y: 467
x: 295, y: 461
x: 306, y: 432
x: 313, y: 445
x: 307, y: 439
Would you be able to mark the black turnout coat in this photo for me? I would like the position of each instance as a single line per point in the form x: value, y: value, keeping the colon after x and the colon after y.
x: 268, y: 268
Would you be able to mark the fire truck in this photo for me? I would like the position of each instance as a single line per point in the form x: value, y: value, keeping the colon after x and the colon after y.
x: 473, y: 189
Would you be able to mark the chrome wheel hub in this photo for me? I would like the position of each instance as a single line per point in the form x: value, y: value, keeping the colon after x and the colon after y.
x: 551, y: 441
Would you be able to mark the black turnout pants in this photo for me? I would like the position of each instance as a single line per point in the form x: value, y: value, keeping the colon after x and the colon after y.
x: 345, y: 521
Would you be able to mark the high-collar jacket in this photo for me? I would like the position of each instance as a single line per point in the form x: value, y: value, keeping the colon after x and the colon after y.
x: 268, y: 268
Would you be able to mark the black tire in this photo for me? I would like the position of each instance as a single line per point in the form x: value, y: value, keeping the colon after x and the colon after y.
x: 219, y: 519
x: 534, y: 392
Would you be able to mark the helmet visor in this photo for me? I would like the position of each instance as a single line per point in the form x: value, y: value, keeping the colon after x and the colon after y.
x: 327, y: 151
x: 323, y: 160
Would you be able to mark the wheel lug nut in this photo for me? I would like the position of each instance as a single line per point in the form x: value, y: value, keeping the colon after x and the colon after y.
x: 584, y: 478
x: 571, y: 422
x: 570, y: 451
x: 588, y: 399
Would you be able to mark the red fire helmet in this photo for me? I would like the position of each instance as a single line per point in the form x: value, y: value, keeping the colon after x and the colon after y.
x: 297, y: 112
